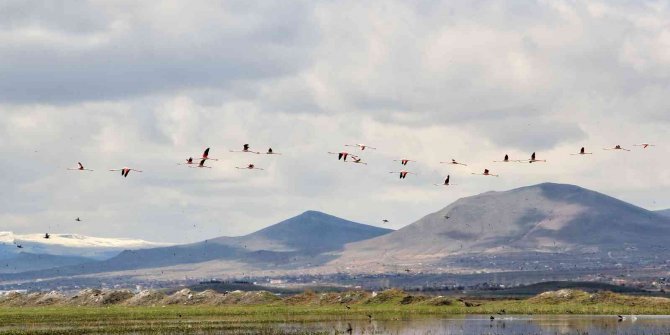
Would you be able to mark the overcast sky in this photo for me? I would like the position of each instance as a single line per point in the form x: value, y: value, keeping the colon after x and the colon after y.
x: 147, y: 84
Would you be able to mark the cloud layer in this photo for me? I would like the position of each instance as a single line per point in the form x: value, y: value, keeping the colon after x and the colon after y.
x: 146, y: 85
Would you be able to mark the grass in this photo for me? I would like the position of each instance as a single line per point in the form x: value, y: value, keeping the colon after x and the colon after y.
x: 258, y: 319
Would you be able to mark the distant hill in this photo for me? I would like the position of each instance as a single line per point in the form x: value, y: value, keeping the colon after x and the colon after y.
x: 553, y: 224
x: 24, y: 261
x: 664, y: 212
x: 308, y: 238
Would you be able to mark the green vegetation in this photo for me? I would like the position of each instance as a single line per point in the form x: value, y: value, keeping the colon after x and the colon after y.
x: 306, y: 307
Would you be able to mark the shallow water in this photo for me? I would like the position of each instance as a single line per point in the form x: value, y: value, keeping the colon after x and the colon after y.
x: 481, y: 324
x: 457, y: 324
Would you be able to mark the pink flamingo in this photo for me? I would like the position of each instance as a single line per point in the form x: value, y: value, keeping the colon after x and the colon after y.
x: 361, y: 146
x: 201, y: 165
x: 454, y: 162
x: 402, y: 173
x: 246, y: 148
x: 616, y: 147
x: 582, y: 151
x: 125, y: 171
x: 446, y: 182
x: 249, y: 167
x: 403, y: 161
x: 80, y: 168
x: 342, y: 155
x: 486, y: 173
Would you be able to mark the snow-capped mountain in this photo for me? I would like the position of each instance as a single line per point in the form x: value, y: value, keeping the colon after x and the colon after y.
x: 69, y: 245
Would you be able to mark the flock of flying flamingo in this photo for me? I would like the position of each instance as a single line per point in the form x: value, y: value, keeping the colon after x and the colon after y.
x: 344, y: 155
x: 356, y: 159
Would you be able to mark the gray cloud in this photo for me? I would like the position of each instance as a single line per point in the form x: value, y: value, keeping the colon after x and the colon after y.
x: 145, y: 85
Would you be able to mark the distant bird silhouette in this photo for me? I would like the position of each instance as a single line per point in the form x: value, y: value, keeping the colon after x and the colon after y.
x: 271, y: 152
x: 342, y: 155
x: 205, y: 155
x: 19, y: 246
x: 616, y: 147
x: 80, y: 167
x: 249, y: 167
x: 644, y: 145
x: 486, y: 173
x: 201, y: 165
x: 446, y: 182
x: 125, y: 171
x: 582, y: 151
x: 46, y: 235
x: 533, y: 160
x: 357, y: 160
x: 189, y: 161
x: 361, y: 146
x: 454, y: 162
x: 385, y: 221
x: 77, y: 219
x: 505, y: 160
x: 403, y: 174
x: 246, y: 148
x: 403, y: 161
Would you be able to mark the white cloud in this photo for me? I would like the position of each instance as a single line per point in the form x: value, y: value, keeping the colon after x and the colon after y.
x: 114, y: 84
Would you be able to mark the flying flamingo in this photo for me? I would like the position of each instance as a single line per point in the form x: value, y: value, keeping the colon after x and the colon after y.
x: 245, y: 148
x: 403, y: 174
x: 644, y: 145
x: 357, y: 160
x: 486, y: 173
x: 453, y: 161
x: 201, y: 165
x: 80, y: 168
x: 125, y: 171
x: 249, y: 167
x: 342, y: 155
x: 362, y: 146
x: 205, y: 155
x: 189, y: 161
x: 403, y: 161
x: 505, y: 160
x: 533, y: 160
x: 582, y: 151
x: 616, y: 147
x: 446, y: 182
x: 270, y: 152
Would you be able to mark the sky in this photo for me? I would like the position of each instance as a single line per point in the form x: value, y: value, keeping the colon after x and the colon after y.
x: 148, y: 84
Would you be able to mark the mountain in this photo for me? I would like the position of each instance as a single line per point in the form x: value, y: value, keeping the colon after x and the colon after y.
x: 24, y: 261
x: 555, y: 225
x: 664, y: 212
x: 309, y: 238
x: 69, y: 245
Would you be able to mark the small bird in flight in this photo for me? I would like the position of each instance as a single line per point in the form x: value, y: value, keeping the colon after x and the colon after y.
x: 125, y: 171
x: 446, y: 182
x: 201, y: 165
x: 270, y: 152
x: 249, y: 167
x: 403, y: 174
x: 189, y: 161
x: 205, y: 155
x: 505, y: 160
x: 454, y: 162
x: 77, y: 219
x: 361, y: 146
x: 616, y: 147
x: 403, y: 161
x: 644, y: 145
x: 46, y: 235
x: 385, y: 221
x: 486, y: 173
x: 357, y: 160
x: 246, y: 148
x: 582, y: 151
x: 533, y: 160
x: 80, y: 168
x: 342, y: 155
